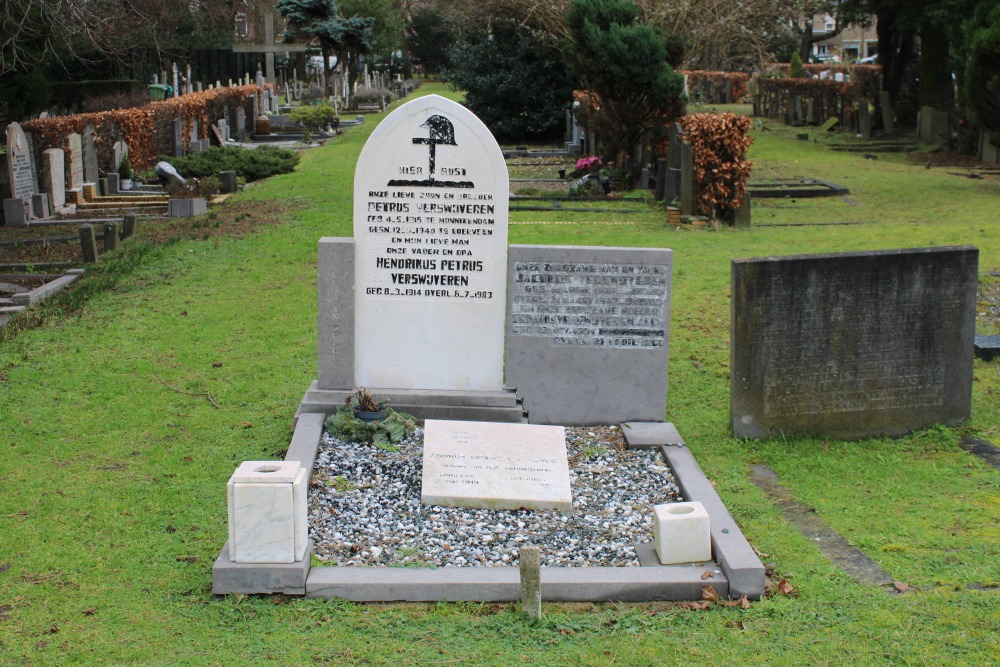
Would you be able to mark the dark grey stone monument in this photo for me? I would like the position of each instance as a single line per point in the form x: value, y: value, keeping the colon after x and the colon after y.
x: 885, y: 104
x: 588, y: 332
x: 864, y: 120
x: 672, y: 189
x: 852, y: 345
x: 689, y: 182
x: 178, y: 137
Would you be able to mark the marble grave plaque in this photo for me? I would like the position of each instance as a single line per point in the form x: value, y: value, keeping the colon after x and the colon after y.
x: 495, y: 466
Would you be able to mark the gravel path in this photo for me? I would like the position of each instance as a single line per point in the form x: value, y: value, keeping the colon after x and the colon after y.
x: 365, y: 509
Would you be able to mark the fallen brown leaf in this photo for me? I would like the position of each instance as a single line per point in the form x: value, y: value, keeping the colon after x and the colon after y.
x: 90, y: 612
x: 707, y: 574
x: 187, y: 559
x: 246, y: 424
x: 708, y: 593
x: 216, y: 364
x: 900, y: 586
x: 786, y: 588
x: 696, y: 606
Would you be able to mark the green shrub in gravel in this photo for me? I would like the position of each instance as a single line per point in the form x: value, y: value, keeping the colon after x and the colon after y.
x: 253, y: 165
x: 382, y: 433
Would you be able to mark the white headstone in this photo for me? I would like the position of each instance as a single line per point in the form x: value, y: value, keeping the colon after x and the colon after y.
x: 75, y: 143
x: 430, y: 227
x: 495, y: 466
x: 54, y: 176
x: 119, y: 150
x: 22, y: 179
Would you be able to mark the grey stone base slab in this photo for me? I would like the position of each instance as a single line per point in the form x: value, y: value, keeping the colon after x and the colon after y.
x: 502, y: 584
x: 650, y: 435
x: 495, y: 406
x: 251, y: 578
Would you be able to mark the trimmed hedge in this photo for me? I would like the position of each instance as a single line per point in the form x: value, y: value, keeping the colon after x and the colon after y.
x: 719, y: 142
x: 253, y: 165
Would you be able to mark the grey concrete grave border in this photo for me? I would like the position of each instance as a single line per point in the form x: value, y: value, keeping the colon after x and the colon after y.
x: 741, y: 572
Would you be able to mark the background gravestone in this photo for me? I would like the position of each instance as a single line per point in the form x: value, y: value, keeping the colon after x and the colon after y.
x: 118, y: 151
x: 54, y: 176
x: 90, y: 170
x: 852, y: 345
x: 588, y: 333
x: 75, y: 147
x: 430, y: 228
x: 22, y: 179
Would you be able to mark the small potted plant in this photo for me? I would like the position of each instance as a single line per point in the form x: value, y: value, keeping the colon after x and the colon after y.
x: 366, y: 408
x: 125, y: 173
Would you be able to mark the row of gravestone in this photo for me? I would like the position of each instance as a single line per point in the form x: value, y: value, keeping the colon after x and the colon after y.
x: 428, y: 304
x: 36, y: 193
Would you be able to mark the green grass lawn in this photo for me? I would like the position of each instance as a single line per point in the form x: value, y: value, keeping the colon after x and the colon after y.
x: 121, y: 421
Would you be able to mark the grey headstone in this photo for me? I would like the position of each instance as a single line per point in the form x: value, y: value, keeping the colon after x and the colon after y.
x: 688, y: 181
x: 885, y: 102
x: 241, y: 123
x: 90, y: 169
x: 852, y: 345
x: 673, y: 184
x: 178, y: 137
x: 741, y: 218
x: 34, y: 161
x: 40, y: 205
x: 864, y: 120
x: 588, y: 333
x: 228, y: 181
x: 75, y: 147
x: 19, y: 158
x: 54, y: 176
x: 16, y: 211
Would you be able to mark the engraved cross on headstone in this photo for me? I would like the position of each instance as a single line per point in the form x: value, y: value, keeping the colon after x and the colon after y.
x: 441, y: 132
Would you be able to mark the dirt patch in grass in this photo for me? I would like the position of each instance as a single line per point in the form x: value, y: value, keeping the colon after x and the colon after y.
x: 234, y: 220
x: 31, y: 245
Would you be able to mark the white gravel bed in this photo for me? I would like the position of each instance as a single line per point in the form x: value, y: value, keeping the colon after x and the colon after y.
x: 364, y: 509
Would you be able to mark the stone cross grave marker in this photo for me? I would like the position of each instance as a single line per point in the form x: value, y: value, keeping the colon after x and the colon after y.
x: 75, y: 144
x: 22, y: 180
x: 852, y: 345
x: 430, y: 227
x: 495, y: 466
